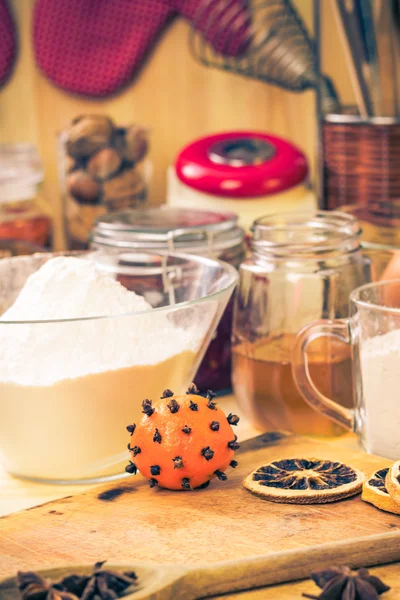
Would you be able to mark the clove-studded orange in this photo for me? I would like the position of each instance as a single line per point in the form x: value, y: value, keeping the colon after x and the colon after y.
x: 182, y: 442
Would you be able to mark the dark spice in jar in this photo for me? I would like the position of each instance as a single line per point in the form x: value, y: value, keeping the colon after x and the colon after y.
x: 206, y: 233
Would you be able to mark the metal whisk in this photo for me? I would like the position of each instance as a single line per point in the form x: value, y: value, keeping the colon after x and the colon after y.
x: 262, y: 39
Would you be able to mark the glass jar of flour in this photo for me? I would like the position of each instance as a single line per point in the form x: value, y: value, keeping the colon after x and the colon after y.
x: 205, y: 233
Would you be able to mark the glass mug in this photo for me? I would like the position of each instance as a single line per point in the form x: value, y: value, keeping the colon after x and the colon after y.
x: 373, y: 333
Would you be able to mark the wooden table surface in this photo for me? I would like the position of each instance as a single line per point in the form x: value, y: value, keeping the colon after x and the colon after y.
x: 16, y: 494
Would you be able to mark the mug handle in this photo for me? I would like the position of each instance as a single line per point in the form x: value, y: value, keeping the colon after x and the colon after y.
x: 338, y: 329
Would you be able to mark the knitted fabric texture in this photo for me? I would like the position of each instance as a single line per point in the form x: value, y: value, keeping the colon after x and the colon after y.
x: 95, y: 47
x: 8, y: 42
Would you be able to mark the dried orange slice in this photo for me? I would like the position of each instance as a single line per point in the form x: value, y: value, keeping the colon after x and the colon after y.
x: 393, y: 481
x: 304, y: 481
x: 375, y: 492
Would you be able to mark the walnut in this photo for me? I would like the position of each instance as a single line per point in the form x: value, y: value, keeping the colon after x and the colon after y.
x: 119, y: 140
x: 83, y: 187
x: 70, y: 164
x: 88, y: 134
x: 104, y: 164
x: 80, y: 219
x: 136, y: 143
x: 126, y: 184
x: 122, y: 204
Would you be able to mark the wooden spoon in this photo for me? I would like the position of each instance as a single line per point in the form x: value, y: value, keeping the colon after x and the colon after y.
x: 170, y: 582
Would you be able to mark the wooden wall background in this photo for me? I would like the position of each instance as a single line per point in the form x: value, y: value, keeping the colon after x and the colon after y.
x: 177, y: 98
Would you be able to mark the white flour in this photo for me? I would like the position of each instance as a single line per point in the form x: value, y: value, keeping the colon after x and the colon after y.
x: 68, y: 288
x: 64, y: 288
x: 380, y: 367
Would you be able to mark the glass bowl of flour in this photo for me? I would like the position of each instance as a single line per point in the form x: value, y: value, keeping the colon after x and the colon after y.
x: 80, y: 350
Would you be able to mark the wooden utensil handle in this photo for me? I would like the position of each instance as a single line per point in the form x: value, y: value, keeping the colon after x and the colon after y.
x: 287, y: 566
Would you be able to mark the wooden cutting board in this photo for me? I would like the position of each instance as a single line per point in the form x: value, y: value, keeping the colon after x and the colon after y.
x: 126, y: 521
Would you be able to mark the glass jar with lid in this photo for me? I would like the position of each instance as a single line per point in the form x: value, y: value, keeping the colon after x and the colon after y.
x: 302, y: 268
x: 24, y: 215
x: 205, y: 233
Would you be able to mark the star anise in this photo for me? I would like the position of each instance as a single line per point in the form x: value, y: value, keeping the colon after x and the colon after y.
x: 32, y: 586
x: 341, y: 583
x: 103, y: 583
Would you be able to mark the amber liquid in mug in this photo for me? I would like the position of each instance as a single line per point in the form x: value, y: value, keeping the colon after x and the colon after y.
x: 268, y: 395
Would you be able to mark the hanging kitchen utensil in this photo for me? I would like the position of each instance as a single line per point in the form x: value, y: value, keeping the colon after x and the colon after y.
x: 396, y: 45
x: 277, y: 48
x: 387, y: 39
x: 229, y: 33
x: 348, y: 25
x: 364, y: 13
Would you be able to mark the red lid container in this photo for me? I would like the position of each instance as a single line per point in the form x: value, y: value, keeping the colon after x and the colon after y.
x: 241, y: 164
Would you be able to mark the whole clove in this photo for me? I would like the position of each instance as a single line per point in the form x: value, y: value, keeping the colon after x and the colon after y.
x: 212, y: 405
x: 233, y: 445
x: 173, y: 406
x: 192, y: 389
x: 178, y: 462
x: 207, y: 453
x: 186, y: 483
x: 157, y: 436
x: 232, y: 419
x: 147, y: 407
x: 131, y: 468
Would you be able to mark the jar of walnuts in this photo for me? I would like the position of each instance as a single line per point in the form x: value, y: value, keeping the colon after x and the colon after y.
x: 102, y: 170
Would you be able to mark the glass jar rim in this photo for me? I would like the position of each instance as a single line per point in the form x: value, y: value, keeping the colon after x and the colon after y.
x: 305, y: 233
x: 229, y: 278
x: 170, y: 228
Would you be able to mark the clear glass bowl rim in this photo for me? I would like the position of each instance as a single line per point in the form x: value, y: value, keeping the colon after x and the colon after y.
x: 229, y: 269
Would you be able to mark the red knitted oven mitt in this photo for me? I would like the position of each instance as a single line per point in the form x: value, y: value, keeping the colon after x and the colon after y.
x: 95, y: 47
x: 224, y: 23
x: 8, y: 42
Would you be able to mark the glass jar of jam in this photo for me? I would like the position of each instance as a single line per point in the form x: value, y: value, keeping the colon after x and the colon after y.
x: 206, y: 233
x: 24, y: 215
